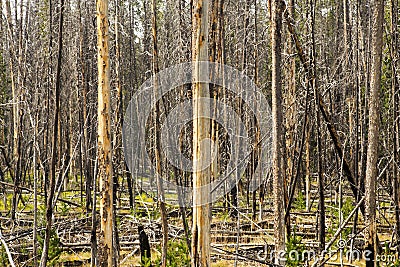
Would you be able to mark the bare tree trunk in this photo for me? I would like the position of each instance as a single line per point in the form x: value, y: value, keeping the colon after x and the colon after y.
x: 105, y: 246
x: 321, y: 182
x: 157, y: 136
x: 277, y: 131
x: 358, y: 102
x: 35, y: 193
x: 15, y: 108
x: 53, y: 161
x: 290, y: 121
x: 308, y: 175
x: 395, y: 92
x: 201, y: 130
x: 254, y: 208
x: 373, y: 133
x: 179, y: 180
x: 118, y: 134
x: 93, y: 238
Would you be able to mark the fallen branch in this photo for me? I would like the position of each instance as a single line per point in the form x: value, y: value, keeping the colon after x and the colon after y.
x: 41, y: 194
x: 12, y: 264
x: 338, y: 231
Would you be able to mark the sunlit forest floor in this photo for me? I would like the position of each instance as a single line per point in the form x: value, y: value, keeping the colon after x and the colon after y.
x: 249, y: 241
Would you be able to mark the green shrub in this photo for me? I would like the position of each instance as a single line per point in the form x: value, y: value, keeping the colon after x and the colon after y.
x: 55, y: 249
x: 294, y: 244
x: 177, y: 254
x: 300, y: 202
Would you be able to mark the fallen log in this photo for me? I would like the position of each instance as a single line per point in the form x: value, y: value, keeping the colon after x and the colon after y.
x: 41, y: 194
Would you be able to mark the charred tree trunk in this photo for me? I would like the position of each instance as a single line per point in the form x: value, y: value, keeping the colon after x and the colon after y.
x: 277, y: 131
x: 53, y: 161
x: 157, y: 136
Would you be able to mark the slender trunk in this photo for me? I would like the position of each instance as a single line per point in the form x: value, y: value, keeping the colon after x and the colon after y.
x: 157, y: 136
x: 254, y: 208
x: 373, y: 133
x: 118, y: 134
x: 308, y: 175
x: 179, y: 178
x: 93, y: 238
x: 357, y: 125
x: 15, y: 108
x: 35, y: 193
x: 395, y: 103
x: 321, y: 182
x: 277, y: 131
x: 53, y: 161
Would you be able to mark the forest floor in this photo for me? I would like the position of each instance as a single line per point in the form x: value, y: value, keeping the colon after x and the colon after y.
x: 247, y: 241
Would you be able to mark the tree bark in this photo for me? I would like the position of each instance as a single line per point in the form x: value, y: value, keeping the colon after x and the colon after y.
x: 395, y: 103
x: 157, y: 136
x: 373, y: 132
x: 277, y: 131
x: 53, y: 160
x: 201, y: 132
x: 15, y: 108
x: 105, y: 246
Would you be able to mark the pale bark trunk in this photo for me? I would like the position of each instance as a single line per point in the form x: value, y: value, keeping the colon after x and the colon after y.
x: 105, y: 248
x: 201, y: 131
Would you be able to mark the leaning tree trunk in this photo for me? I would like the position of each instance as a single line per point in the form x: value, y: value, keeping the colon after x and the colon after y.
x: 105, y: 249
x: 201, y: 130
x: 373, y: 132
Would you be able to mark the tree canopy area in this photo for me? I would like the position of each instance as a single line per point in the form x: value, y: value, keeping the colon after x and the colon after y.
x: 199, y: 133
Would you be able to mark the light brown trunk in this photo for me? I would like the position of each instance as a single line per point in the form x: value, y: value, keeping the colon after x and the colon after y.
x: 201, y: 131
x: 105, y: 249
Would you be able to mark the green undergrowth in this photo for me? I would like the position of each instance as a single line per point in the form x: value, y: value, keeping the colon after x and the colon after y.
x: 177, y: 255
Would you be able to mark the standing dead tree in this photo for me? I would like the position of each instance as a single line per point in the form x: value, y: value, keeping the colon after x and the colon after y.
x: 277, y: 129
x: 105, y: 250
x: 53, y: 161
x: 201, y: 131
x: 373, y: 133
